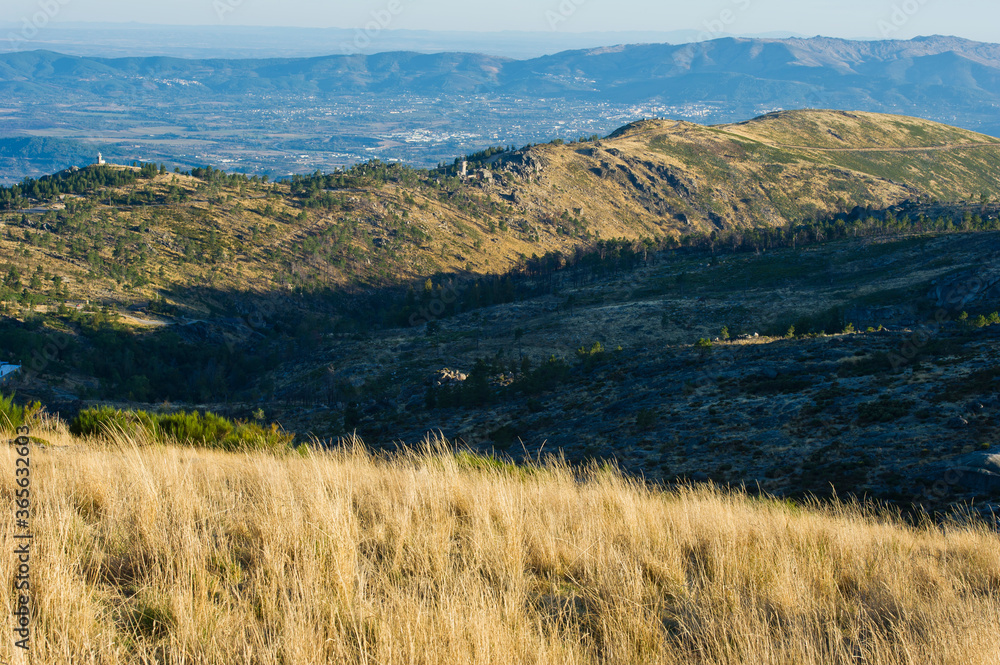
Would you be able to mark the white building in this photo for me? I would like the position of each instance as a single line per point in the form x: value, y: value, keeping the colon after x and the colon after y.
x: 7, y: 372
x: 100, y: 159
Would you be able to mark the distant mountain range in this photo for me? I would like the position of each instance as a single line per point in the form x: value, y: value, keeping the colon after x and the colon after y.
x: 941, y: 78
x: 279, y: 116
x: 233, y: 41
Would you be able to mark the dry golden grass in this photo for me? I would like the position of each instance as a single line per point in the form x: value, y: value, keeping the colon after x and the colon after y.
x: 173, y: 555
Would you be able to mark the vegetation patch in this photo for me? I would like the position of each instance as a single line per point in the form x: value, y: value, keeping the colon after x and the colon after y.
x: 983, y: 382
x: 13, y: 415
x: 780, y: 384
x: 884, y: 410
x: 206, y: 429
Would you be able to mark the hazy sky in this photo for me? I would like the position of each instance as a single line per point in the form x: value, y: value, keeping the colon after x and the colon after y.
x: 974, y: 19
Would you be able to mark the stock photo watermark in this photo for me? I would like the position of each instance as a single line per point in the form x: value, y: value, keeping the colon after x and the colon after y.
x: 562, y: 13
x: 22, y: 539
x: 365, y: 36
x: 225, y: 7
x: 716, y: 26
x: 899, y: 16
x: 951, y: 301
x: 256, y: 321
x: 36, y: 22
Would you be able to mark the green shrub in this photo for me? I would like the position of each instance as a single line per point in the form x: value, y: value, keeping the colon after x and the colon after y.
x: 646, y: 419
x: 13, y: 416
x: 105, y: 421
x: 545, y: 377
x: 203, y: 429
x: 595, y: 354
x: 206, y: 430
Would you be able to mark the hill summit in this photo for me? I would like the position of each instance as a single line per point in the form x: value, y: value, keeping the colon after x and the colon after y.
x: 778, y: 168
x: 377, y: 223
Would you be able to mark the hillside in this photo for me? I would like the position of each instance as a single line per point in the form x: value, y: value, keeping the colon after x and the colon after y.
x: 786, y: 167
x: 554, y: 298
x: 144, y: 553
x: 383, y: 224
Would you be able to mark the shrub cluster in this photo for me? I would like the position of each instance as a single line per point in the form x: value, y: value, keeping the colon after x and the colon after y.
x: 884, y: 410
x: 194, y: 428
x: 13, y: 416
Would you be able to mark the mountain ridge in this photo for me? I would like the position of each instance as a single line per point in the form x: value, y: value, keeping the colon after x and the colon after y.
x: 649, y: 181
x: 281, y: 116
x: 630, y: 63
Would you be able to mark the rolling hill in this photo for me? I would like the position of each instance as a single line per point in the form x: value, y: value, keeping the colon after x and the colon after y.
x: 554, y: 295
x: 383, y: 224
x: 778, y: 168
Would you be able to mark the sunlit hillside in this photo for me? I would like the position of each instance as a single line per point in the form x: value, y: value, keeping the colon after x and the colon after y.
x: 146, y: 553
x: 121, y: 235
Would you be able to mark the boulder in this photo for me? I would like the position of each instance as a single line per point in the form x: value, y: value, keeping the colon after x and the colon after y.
x: 976, y: 472
x: 448, y: 376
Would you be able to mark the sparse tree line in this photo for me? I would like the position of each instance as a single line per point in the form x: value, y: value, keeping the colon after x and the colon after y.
x: 446, y: 295
x: 80, y: 182
x: 162, y: 365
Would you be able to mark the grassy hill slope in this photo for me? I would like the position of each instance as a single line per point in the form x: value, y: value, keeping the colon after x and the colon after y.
x: 167, y: 554
x: 381, y: 224
x: 663, y: 175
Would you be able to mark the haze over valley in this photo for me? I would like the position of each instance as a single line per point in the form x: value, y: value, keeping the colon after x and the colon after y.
x: 284, y: 116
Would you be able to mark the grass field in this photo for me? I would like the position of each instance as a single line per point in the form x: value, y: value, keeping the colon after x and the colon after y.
x: 153, y: 554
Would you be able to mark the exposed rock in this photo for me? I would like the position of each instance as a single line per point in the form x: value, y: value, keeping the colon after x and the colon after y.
x: 448, y: 376
x: 976, y: 472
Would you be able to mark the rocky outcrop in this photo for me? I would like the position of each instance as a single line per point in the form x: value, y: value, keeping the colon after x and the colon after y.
x: 977, y: 473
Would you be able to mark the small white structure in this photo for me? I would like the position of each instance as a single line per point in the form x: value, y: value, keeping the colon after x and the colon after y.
x: 100, y: 159
x: 465, y: 169
x: 7, y: 372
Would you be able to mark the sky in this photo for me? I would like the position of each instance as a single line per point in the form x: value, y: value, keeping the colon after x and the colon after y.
x: 857, y: 19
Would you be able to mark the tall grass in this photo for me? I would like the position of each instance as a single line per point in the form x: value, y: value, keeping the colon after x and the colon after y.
x: 13, y: 415
x: 157, y: 554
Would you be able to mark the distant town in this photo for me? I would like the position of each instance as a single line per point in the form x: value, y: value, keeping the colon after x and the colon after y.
x: 279, y: 135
